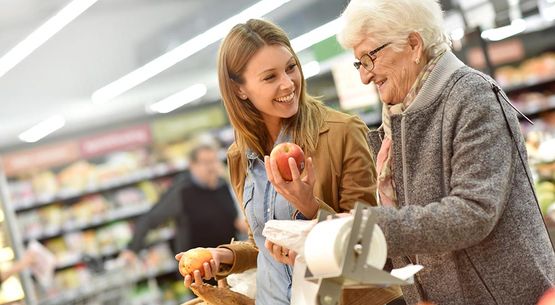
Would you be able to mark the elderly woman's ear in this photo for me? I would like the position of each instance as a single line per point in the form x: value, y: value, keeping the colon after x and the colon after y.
x: 417, y: 46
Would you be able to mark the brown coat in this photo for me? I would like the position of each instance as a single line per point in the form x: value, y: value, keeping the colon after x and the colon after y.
x: 344, y: 174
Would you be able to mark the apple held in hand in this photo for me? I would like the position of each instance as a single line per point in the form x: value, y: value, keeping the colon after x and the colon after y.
x: 282, y: 152
x: 193, y: 260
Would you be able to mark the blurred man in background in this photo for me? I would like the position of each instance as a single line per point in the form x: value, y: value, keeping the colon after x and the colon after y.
x: 200, y: 203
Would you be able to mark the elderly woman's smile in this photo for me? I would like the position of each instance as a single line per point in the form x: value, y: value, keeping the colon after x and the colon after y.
x: 392, y: 68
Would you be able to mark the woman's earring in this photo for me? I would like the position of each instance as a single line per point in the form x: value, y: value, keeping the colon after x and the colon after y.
x: 417, y: 61
x: 243, y: 97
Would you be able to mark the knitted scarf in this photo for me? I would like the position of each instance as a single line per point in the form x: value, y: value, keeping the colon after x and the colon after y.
x: 384, y: 165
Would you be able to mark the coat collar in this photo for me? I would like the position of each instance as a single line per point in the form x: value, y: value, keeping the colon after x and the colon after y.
x: 433, y: 86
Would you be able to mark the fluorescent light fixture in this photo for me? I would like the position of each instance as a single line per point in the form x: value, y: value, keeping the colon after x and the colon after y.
x: 179, y: 99
x: 311, y: 69
x: 42, y: 129
x: 182, y: 52
x: 315, y: 36
x: 42, y: 34
x: 516, y: 26
x: 457, y: 34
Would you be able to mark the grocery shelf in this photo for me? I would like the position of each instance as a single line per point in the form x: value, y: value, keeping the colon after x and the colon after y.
x: 117, y: 282
x: 119, y: 214
x: 79, y: 258
x: 530, y: 109
x: 158, y: 171
x: 529, y: 85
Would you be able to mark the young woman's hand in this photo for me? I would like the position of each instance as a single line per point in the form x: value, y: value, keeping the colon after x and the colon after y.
x: 299, y: 191
x: 219, y: 255
x: 281, y: 254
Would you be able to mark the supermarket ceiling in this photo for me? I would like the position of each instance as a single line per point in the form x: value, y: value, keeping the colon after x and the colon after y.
x: 111, y: 39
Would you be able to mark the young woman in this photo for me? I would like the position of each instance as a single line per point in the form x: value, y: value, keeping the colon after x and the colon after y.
x: 264, y: 93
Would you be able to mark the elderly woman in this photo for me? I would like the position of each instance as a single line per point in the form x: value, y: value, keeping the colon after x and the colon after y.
x: 454, y: 187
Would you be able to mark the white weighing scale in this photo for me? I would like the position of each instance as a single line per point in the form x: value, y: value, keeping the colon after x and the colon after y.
x: 324, y: 288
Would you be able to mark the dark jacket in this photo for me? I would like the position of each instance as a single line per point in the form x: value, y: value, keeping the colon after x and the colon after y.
x: 203, y: 217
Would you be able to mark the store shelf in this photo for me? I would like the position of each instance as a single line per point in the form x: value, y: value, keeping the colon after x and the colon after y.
x: 79, y: 258
x: 117, y: 282
x: 534, y: 109
x: 529, y: 85
x: 158, y: 171
x: 120, y: 214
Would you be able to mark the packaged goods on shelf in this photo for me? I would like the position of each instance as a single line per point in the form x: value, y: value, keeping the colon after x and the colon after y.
x: 531, y: 71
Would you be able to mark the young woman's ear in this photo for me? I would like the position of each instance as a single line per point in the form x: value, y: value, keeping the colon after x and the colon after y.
x: 240, y: 92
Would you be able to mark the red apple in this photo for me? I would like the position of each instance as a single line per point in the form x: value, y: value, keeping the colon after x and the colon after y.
x: 548, y: 297
x: 193, y: 260
x: 282, y: 152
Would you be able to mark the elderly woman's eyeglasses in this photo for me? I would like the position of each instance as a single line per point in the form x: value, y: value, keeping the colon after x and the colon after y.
x: 367, y: 60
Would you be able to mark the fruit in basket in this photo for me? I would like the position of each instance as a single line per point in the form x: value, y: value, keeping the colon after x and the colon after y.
x: 282, y: 152
x: 548, y: 297
x: 193, y: 260
x: 220, y: 296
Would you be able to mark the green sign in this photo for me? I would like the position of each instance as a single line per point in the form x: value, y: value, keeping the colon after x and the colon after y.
x: 327, y: 49
x: 180, y: 126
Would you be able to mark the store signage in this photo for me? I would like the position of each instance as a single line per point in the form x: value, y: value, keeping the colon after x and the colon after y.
x: 180, y: 126
x: 327, y: 49
x: 120, y: 140
x: 163, y: 131
x: 40, y: 158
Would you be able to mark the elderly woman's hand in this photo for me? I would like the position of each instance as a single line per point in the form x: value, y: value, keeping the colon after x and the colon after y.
x: 281, y: 254
x: 298, y: 191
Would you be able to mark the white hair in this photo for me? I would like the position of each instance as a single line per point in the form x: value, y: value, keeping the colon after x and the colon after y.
x: 385, y: 21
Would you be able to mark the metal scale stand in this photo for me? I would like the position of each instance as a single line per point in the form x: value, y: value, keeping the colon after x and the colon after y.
x: 354, y: 265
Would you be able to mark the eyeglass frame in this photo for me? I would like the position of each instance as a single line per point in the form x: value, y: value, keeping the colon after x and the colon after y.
x: 370, y: 55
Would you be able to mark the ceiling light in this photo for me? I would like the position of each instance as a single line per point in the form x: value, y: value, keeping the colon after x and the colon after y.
x: 181, y: 52
x: 311, y: 69
x: 315, y: 36
x: 179, y: 99
x: 42, y: 34
x: 516, y: 26
x: 42, y: 129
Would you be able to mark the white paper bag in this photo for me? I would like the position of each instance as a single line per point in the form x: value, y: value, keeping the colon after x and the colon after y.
x: 44, y: 263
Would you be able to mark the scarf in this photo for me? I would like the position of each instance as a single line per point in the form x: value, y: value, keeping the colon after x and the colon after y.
x: 384, y: 165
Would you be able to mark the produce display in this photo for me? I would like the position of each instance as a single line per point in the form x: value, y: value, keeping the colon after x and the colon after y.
x: 531, y: 70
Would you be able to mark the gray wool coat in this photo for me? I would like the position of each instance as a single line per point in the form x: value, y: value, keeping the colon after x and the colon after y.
x: 467, y: 210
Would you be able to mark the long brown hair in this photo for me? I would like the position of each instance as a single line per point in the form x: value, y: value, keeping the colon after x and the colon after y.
x: 239, y: 46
